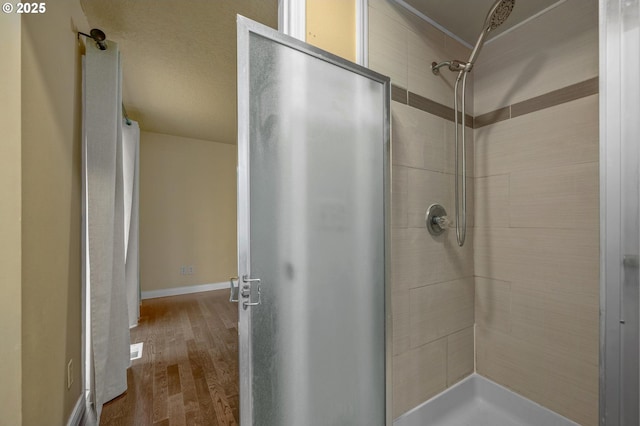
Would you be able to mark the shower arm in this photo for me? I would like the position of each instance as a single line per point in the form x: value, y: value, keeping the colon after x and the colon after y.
x: 494, y: 19
x: 453, y: 65
x: 456, y: 65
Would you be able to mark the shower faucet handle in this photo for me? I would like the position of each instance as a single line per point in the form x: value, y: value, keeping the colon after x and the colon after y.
x: 442, y: 221
x: 436, y: 219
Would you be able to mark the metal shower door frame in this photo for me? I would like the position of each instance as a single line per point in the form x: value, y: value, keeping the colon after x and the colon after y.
x: 245, y: 27
x: 619, y: 103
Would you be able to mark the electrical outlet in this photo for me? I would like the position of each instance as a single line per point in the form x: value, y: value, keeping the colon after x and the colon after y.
x: 190, y: 270
x: 70, y: 373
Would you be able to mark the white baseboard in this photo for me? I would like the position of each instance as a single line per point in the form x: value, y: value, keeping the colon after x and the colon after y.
x: 77, y: 413
x: 152, y: 294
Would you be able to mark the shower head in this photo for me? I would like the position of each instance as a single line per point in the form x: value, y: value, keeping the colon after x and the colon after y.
x: 498, y: 13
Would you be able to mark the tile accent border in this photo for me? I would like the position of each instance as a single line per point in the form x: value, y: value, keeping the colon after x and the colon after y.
x: 414, y: 100
x: 547, y: 100
x: 398, y: 94
x: 556, y: 97
x: 492, y: 117
x: 435, y: 108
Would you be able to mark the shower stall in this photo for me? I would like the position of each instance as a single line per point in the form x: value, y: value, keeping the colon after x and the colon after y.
x: 496, y: 304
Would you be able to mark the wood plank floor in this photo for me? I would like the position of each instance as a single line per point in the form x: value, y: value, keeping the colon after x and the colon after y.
x: 188, y: 374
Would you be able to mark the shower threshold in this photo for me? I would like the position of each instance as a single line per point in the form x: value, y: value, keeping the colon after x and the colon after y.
x: 477, y: 401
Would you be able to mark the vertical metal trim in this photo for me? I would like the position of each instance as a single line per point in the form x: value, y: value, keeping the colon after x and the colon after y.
x: 602, y: 376
x: 387, y: 256
x: 619, y: 101
x: 362, y: 32
x: 604, y: 397
x: 244, y: 315
x: 610, y: 197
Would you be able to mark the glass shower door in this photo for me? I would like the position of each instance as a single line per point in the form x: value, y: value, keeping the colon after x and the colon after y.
x: 313, y: 195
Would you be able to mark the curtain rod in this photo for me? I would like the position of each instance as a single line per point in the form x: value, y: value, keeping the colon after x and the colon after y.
x: 98, y: 36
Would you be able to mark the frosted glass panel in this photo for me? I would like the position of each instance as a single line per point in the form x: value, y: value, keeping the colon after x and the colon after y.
x: 317, y: 152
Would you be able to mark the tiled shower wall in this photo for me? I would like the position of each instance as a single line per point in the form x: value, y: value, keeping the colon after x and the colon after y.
x: 433, y: 284
x: 528, y: 275
x: 536, y: 211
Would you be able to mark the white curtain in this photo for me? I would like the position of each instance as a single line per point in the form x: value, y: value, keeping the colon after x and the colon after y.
x: 131, y: 180
x: 104, y: 223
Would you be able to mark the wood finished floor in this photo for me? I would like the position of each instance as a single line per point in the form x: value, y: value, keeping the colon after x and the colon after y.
x: 188, y: 374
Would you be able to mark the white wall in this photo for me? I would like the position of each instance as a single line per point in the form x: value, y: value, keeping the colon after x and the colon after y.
x: 51, y: 283
x: 187, y: 211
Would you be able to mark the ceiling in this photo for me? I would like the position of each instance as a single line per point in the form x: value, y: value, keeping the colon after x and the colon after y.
x: 465, y: 18
x: 179, y: 60
x: 179, y: 56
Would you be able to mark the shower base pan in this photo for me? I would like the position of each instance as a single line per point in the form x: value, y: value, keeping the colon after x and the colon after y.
x: 477, y: 401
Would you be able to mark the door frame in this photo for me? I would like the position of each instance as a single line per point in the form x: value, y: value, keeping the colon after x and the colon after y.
x: 245, y: 27
x: 292, y: 18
